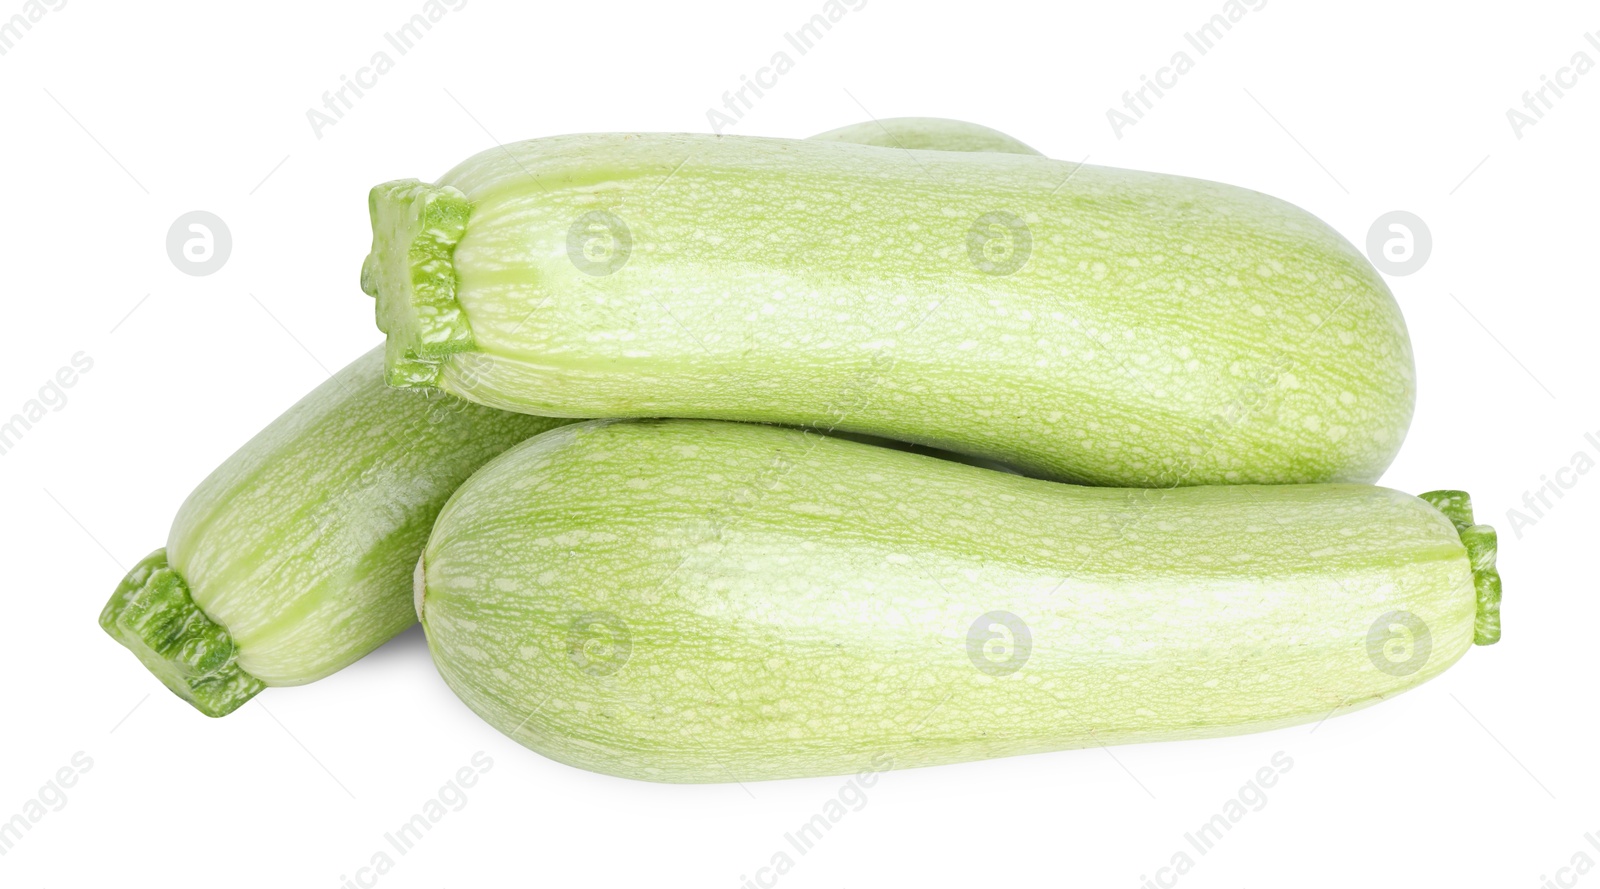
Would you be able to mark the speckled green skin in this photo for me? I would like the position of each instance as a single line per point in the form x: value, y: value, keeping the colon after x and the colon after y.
x: 694, y: 601
x: 1162, y: 331
x: 294, y: 557
x: 926, y: 133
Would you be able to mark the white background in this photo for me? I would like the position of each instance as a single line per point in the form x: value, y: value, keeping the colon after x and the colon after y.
x: 118, y: 117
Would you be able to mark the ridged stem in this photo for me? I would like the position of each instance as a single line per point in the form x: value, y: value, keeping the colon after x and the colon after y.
x: 1482, y: 545
x: 153, y: 615
x: 411, y: 273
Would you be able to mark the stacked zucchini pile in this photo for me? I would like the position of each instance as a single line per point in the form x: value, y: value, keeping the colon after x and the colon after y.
x: 718, y: 458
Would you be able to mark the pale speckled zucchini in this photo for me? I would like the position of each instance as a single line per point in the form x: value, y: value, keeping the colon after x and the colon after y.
x: 694, y: 601
x: 346, y: 484
x: 926, y: 133
x: 293, y: 559
x: 1082, y: 323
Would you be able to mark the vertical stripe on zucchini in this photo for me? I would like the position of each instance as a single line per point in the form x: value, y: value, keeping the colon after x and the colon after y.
x: 695, y: 601
x: 294, y: 558
x: 1083, y: 323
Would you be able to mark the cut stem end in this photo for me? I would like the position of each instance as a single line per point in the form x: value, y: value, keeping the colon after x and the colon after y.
x: 1482, y: 544
x: 153, y: 615
x: 411, y: 272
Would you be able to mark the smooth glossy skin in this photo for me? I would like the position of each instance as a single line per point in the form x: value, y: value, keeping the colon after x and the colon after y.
x: 302, y: 543
x: 300, y: 546
x: 926, y: 133
x: 695, y: 601
x: 296, y: 626
x: 1079, y: 322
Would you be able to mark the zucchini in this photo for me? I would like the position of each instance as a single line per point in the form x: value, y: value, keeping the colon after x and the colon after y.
x: 293, y: 559
x: 695, y: 601
x: 926, y: 133
x: 365, y: 465
x: 1081, y: 323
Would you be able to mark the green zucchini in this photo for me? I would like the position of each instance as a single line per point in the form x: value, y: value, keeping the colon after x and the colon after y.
x: 366, y: 465
x: 294, y: 558
x: 695, y: 601
x: 1081, y: 323
x: 926, y: 133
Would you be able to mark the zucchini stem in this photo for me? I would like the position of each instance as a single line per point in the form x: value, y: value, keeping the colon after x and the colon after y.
x: 411, y: 272
x: 153, y: 615
x: 1482, y: 544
